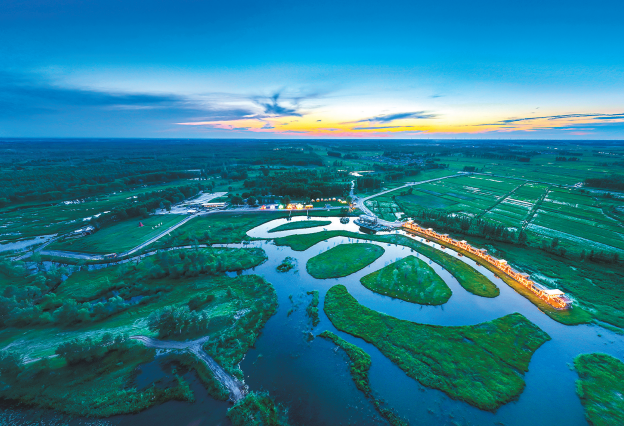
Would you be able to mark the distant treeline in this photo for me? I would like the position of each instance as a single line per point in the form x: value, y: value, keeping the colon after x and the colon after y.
x: 300, y: 183
x: 615, y: 182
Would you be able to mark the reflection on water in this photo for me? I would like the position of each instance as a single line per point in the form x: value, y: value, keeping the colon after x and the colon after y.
x: 312, y: 377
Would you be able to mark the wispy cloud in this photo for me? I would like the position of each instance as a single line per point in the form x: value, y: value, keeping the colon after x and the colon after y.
x: 388, y: 118
x: 593, y: 116
x: 382, y: 127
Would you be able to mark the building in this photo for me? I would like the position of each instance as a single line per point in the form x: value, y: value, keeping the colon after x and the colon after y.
x: 554, y: 297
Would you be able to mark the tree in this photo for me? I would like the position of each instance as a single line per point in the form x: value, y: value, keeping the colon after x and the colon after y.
x: 236, y: 200
x: 285, y: 200
x: 554, y: 243
x: 10, y: 364
x: 522, y: 238
x: 252, y: 201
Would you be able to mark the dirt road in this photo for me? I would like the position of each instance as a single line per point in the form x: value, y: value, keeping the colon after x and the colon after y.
x: 237, y: 389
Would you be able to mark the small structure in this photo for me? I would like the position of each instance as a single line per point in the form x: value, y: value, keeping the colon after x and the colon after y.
x: 141, y: 224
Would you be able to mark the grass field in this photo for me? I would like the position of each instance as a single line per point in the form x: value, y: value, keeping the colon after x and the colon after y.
x: 343, y: 260
x: 119, y: 237
x: 546, y: 211
x: 34, y: 219
x: 600, y: 387
x: 222, y: 228
x: 409, y: 279
x: 482, y: 365
x: 300, y: 225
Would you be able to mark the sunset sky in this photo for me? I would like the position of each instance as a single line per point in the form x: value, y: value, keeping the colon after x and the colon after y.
x: 353, y: 69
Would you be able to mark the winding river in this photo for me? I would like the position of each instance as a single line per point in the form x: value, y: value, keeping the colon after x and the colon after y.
x: 312, y: 378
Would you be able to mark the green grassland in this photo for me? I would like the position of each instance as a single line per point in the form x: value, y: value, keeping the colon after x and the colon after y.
x: 100, y: 389
x: 300, y: 225
x: 222, y: 228
x: 119, y: 237
x: 235, y: 309
x: 409, y: 279
x: 600, y: 387
x: 343, y: 260
x: 472, y: 280
x: 482, y: 364
x: 34, y: 219
x: 84, y: 286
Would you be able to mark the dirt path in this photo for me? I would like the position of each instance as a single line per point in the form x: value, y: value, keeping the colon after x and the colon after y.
x: 237, y: 389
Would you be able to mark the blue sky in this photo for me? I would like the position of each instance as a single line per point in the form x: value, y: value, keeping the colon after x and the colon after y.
x: 484, y: 69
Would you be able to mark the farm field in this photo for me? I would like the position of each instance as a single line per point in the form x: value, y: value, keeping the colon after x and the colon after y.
x: 119, y: 237
x: 544, y: 211
x: 29, y: 220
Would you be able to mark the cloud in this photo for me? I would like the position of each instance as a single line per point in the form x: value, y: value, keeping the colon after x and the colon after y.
x: 382, y: 119
x: 381, y: 127
x: 593, y: 116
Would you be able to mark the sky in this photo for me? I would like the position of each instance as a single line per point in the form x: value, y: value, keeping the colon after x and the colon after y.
x: 312, y: 69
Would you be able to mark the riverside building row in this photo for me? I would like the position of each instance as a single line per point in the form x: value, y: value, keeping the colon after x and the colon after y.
x: 554, y: 297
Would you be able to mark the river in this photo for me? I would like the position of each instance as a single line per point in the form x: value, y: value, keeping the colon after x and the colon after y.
x: 312, y: 378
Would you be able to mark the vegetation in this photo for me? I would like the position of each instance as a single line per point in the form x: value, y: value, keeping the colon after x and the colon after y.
x: 221, y: 228
x: 481, y: 364
x: 343, y: 260
x: 312, y: 309
x: 258, y: 409
x: 468, y: 277
x: 90, y: 371
x: 600, y: 387
x: 409, y: 279
x: 119, y: 237
x: 302, y: 224
x: 359, y: 365
x: 360, y: 361
x: 287, y: 264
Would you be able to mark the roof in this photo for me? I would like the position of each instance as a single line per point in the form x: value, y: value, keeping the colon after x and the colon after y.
x: 554, y: 292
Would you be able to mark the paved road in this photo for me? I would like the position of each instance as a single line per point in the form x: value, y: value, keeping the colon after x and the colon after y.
x: 86, y: 256
x: 237, y: 389
x: 360, y: 201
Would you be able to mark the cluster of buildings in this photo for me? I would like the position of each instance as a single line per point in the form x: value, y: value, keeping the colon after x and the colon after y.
x: 554, y: 297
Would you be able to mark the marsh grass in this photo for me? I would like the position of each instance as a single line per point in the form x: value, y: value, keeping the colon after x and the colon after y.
x: 600, y: 387
x: 343, y: 260
x: 409, y: 279
x: 300, y: 225
x: 482, y: 364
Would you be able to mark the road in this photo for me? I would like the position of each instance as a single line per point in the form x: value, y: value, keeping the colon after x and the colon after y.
x: 237, y: 389
x: 360, y: 201
x: 86, y: 256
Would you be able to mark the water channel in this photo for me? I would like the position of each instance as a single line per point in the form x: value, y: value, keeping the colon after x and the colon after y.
x: 312, y: 379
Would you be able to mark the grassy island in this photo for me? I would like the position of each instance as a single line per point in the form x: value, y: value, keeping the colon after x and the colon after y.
x: 302, y: 224
x: 600, y: 387
x: 482, y: 364
x: 409, y: 279
x: 359, y: 364
x: 469, y: 278
x: 343, y: 260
